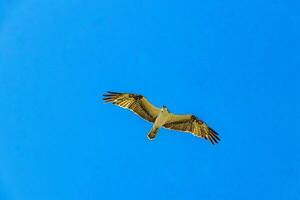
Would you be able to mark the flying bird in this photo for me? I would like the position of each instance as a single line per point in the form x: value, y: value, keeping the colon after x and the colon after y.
x: 161, y: 117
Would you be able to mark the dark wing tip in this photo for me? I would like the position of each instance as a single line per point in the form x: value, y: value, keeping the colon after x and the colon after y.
x: 212, y: 130
x: 110, y: 96
x: 210, y: 139
x: 110, y: 92
x: 213, y: 136
x: 108, y: 99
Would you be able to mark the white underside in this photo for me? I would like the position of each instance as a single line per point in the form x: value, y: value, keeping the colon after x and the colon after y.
x: 161, y: 119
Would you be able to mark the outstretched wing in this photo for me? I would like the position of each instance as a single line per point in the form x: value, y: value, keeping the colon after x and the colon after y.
x: 134, y: 102
x: 191, y: 124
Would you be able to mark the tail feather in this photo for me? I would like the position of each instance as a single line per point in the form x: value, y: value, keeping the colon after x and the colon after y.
x: 152, y: 134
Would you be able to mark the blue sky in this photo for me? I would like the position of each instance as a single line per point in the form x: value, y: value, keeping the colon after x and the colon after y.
x: 233, y: 64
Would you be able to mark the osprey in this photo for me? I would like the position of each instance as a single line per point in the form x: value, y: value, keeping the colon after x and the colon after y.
x: 161, y: 117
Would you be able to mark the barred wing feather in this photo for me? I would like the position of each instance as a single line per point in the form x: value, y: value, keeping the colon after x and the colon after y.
x: 191, y: 124
x: 134, y: 102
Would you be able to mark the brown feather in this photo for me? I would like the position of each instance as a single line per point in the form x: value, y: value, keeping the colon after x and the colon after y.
x: 191, y: 124
x: 134, y: 102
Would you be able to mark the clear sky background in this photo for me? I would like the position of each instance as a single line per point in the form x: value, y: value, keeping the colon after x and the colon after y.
x: 234, y: 64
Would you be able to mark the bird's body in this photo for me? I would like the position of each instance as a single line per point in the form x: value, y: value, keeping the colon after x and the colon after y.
x: 162, y: 117
x: 160, y: 120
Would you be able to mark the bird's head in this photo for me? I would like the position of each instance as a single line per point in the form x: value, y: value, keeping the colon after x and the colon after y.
x: 164, y: 108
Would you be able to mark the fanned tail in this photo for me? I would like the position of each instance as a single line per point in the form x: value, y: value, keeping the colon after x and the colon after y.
x: 152, y: 134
